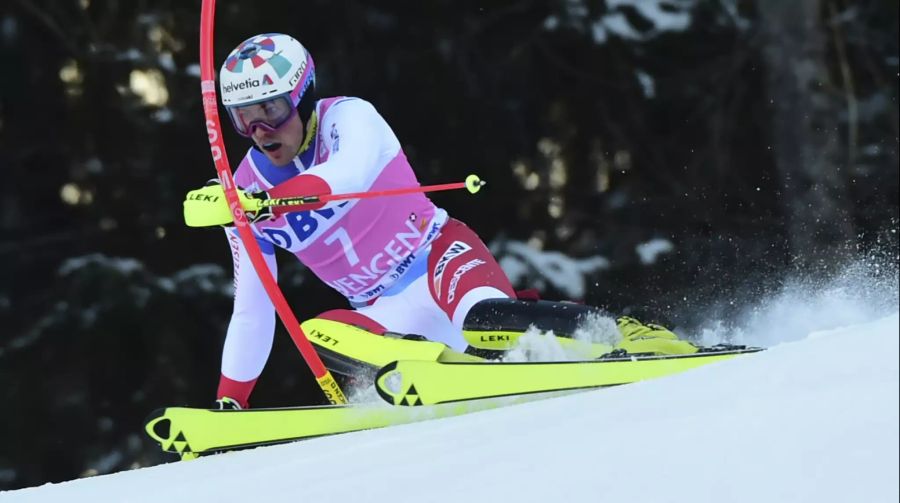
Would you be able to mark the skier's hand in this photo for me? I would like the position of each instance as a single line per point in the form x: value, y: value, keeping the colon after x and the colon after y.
x: 253, y: 208
x: 207, y: 206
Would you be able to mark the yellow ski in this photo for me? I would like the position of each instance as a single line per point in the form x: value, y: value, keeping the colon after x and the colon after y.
x: 190, y: 432
x: 419, y: 382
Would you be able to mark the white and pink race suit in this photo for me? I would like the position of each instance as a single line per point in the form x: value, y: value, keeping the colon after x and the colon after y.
x: 403, y: 264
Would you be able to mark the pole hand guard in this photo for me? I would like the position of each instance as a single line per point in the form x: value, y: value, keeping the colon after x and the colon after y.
x: 207, y: 206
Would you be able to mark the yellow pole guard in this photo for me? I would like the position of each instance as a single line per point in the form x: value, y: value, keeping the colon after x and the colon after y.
x: 331, y: 389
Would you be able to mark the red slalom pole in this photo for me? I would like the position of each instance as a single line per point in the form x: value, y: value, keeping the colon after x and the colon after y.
x: 217, y: 146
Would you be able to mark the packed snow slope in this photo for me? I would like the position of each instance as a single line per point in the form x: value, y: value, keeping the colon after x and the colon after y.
x: 812, y: 420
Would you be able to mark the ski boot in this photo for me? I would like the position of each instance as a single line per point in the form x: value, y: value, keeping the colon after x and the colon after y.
x: 649, y: 338
x: 354, y: 354
x: 493, y: 326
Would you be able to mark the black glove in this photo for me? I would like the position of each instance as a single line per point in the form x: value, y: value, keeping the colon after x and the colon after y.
x: 227, y: 403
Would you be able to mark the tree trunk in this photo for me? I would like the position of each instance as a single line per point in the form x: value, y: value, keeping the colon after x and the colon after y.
x: 805, y: 135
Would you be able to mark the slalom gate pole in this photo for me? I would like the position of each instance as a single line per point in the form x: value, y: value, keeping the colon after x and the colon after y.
x: 217, y: 146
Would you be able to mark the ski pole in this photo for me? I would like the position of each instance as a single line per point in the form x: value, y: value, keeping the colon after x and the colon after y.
x: 217, y: 146
x: 472, y: 183
x: 205, y: 207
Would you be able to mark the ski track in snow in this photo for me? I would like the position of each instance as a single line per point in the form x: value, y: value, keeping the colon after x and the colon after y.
x: 813, y: 420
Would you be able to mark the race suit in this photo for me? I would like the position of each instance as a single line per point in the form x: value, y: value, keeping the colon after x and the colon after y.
x: 400, y: 261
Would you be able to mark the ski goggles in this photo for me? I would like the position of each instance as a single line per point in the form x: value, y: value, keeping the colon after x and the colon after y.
x: 268, y: 115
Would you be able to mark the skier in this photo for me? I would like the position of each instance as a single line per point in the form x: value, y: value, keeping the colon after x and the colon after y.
x: 393, y: 258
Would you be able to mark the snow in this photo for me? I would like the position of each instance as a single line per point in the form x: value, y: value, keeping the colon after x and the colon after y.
x: 665, y: 15
x: 193, y: 70
x: 618, y: 24
x: 649, y: 251
x: 164, y: 114
x: 520, y: 261
x: 648, y: 85
x: 9, y: 29
x: 125, y: 266
x: 811, y: 420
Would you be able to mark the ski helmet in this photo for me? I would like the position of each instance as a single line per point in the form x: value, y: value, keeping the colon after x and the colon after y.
x: 272, y: 69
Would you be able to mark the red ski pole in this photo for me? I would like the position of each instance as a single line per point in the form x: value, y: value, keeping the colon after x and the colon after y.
x: 473, y: 184
x: 214, y: 129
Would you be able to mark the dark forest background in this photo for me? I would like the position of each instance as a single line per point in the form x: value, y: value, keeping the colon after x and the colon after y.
x: 759, y: 137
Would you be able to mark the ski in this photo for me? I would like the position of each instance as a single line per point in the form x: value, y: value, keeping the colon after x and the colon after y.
x: 412, y: 382
x: 191, y: 432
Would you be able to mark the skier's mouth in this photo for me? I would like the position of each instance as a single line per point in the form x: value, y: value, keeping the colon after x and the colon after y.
x: 271, y: 146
